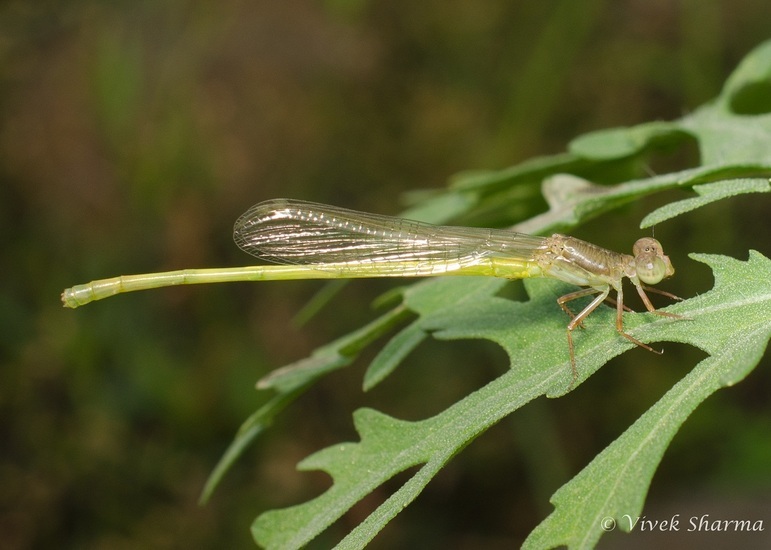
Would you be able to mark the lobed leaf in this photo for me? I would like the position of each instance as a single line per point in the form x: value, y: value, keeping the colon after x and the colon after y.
x: 708, y: 193
x: 730, y: 323
x: 613, y: 486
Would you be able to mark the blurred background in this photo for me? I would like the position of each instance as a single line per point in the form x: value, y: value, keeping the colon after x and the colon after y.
x: 133, y: 134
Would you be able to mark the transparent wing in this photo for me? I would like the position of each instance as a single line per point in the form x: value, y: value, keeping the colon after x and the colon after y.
x: 297, y: 232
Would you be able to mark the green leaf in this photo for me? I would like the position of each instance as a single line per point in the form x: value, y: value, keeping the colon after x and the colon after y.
x: 331, y: 357
x: 730, y: 323
x: 708, y: 193
x: 616, y: 482
x: 393, y: 353
x: 292, y: 381
x: 253, y: 427
x: 614, y: 485
x: 623, y: 142
x: 389, y: 446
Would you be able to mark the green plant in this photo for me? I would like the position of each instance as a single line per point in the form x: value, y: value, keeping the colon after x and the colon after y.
x: 731, y: 323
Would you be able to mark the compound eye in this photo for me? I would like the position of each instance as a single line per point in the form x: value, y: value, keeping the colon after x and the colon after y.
x: 646, y: 245
x: 651, y: 269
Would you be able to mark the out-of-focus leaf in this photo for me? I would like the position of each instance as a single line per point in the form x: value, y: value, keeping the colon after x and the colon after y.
x: 708, y: 193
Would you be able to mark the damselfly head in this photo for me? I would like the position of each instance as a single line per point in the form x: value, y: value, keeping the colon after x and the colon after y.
x: 651, y: 264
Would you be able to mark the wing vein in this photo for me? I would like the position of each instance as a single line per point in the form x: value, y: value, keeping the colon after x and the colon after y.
x: 296, y: 232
